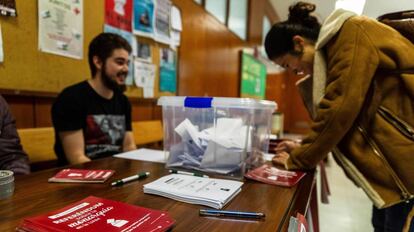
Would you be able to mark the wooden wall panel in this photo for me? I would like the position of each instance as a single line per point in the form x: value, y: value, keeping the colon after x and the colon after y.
x: 22, y: 109
x: 256, y: 13
x: 297, y: 117
x: 209, y: 54
x: 143, y: 110
x: 43, y: 112
x: 276, y: 88
x: 282, y: 89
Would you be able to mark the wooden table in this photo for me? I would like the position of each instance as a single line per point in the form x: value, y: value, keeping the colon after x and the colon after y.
x: 34, y: 195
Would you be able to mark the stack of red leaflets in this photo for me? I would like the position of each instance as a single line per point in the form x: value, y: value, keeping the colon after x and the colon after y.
x: 82, y: 176
x: 97, y: 214
x: 271, y: 175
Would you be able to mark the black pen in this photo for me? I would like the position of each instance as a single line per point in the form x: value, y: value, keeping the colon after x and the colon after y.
x: 129, y: 179
x: 226, y: 213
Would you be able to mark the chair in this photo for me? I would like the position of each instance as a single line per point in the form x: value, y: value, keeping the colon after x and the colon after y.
x: 148, y: 133
x: 38, y: 144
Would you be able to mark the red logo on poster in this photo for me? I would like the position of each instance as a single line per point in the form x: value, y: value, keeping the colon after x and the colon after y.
x: 118, y: 13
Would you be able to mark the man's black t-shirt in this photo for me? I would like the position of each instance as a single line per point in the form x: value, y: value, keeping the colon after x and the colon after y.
x: 103, y: 122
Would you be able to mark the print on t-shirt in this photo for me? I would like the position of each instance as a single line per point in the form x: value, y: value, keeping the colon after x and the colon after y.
x: 104, y: 134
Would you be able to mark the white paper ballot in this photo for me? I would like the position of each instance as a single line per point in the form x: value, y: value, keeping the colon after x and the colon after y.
x: 188, y: 132
x: 221, y: 148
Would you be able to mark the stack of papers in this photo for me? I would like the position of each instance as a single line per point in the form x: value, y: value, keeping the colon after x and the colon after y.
x: 71, y: 175
x: 145, y: 154
x: 211, y: 192
x: 98, y: 214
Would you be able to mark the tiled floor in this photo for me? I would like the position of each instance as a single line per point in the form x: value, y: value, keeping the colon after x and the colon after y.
x: 349, y: 209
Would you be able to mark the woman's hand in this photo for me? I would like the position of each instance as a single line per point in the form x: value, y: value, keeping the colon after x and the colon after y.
x: 281, y: 158
x: 286, y: 146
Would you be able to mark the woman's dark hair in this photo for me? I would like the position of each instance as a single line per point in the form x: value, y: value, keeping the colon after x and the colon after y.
x: 103, y: 45
x: 279, y: 39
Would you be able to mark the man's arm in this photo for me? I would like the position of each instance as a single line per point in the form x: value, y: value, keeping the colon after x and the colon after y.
x: 74, y: 146
x: 129, y: 142
x: 12, y: 157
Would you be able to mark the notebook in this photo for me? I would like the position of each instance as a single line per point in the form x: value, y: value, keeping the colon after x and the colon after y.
x: 272, y: 175
x: 70, y: 175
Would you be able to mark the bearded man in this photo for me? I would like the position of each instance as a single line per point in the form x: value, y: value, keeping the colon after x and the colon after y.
x: 83, y: 113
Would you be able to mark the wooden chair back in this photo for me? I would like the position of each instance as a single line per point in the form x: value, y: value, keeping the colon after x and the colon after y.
x: 147, y: 132
x: 38, y: 144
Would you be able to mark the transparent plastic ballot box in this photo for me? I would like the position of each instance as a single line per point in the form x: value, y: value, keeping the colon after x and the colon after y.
x: 216, y: 135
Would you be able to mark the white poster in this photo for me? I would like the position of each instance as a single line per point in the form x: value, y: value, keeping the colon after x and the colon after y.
x: 176, y: 27
x: 61, y: 27
x: 1, y: 47
x: 162, y: 21
x: 144, y: 73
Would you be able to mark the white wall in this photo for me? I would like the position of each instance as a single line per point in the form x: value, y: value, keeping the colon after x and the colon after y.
x: 323, y: 7
x: 373, y: 8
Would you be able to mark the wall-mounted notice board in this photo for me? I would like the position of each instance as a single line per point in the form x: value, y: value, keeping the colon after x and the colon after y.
x: 25, y: 68
x: 253, y: 77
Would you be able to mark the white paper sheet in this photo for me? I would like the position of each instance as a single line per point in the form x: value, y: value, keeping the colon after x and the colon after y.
x: 1, y: 47
x: 61, y: 27
x: 144, y: 74
x: 145, y: 154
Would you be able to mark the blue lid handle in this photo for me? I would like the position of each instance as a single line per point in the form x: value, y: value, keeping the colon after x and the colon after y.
x: 198, y: 102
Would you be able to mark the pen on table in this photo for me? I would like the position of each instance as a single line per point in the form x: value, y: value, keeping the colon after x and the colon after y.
x: 129, y: 179
x: 226, y: 213
x: 188, y: 173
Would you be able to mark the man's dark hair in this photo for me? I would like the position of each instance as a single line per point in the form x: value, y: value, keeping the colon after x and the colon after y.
x: 103, y: 45
x: 279, y: 40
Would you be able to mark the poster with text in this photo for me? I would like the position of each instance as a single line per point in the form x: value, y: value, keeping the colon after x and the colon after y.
x: 1, y: 47
x: 144, y: 51
x: 144, y: 18
x: 61, y: 27
x: 168, y: 70
x: 118, y: 14
x: 131, y: 40
x: 144, y: 74
x: 253, y: 79
x: 162, y: 21
x: 8, y: 7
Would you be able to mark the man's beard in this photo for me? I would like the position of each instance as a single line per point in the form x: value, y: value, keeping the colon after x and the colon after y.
x: 111, y: 83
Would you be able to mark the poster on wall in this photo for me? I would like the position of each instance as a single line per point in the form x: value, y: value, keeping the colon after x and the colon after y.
x: 143, y: 18
x: 253, y: 77
x: 144, y: 51
x: 131, y: 40
x: 176, y: 27
x: 168, y: 70
x: 145, y: 77
x: 8, y: 8
x: 162, y: 21
x: 1, y: 47
x: 61, y: 27
x: 118, y: 14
